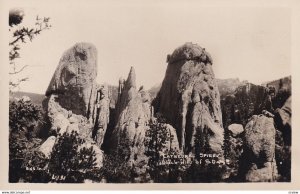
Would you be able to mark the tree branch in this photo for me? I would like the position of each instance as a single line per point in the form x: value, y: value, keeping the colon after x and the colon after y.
x: 15, y: 72
x: 16, y: 40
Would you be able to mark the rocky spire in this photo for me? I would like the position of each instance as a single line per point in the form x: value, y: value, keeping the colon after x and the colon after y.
x: 131, y: 79
x: 189, y: 98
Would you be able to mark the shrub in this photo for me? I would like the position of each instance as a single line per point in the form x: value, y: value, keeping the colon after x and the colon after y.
x: 24, y: 115
x: 70, y: 164
x: 116, y: 168
x: 155, y: 142
x: 35, y: 167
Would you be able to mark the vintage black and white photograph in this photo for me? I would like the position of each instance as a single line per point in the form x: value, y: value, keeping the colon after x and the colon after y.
x: 149, y: 92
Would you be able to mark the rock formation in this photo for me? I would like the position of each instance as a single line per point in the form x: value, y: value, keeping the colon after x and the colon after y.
x: 284, y: 114
x: 74, y: 79
x: 259, y: 150
x: 189, y: 98
x: 173, y: 144
x: 101, y: 115
x: 74, y: 102
x: 133, y: 112
x: 46, y: 147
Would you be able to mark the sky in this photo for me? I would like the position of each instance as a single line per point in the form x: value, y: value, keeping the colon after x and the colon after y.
x: 250, y: 43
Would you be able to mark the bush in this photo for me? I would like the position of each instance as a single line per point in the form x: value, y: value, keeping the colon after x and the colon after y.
x: 24, y: 115
x: 70, y: 164
x: 35, y: 167
x: 19, y: 149
x: 155, y: 142
x: 116, y: 168
x: 283, y: 158
x: 23, y: 118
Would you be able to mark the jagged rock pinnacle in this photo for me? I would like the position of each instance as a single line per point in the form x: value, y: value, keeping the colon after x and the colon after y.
x: 131, y: 78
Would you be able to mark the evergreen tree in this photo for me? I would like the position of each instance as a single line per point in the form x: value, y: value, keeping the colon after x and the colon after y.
x: 68, y: 163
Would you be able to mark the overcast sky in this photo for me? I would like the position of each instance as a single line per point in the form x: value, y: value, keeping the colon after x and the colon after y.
x: 249, y: 43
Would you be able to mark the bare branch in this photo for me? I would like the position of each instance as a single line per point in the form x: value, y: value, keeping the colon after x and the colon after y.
x: 15, y: 72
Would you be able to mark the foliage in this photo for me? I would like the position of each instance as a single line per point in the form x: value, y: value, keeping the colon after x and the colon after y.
x: 15, y: 17
x: 115, y: 166
x: 35, y: 167
x: 203, y: 169
x: 23, y: 118
x: 70, y: 163
x: 24, y: 115
x: 115, y: 169
x: 19, y: 147
x: 283, y: 158
x: 20, y: 35
x: 155, y: 142
x: 280, y: 98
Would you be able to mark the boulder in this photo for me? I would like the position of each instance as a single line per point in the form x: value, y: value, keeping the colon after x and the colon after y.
x: 189, y: 97
x: 236, y: 129
x: 260, y: 149
x: 74, y: 79
x: 47, y: 146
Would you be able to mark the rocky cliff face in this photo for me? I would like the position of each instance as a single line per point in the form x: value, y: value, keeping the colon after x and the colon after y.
x: 74, y: 79
x: 189, y: 97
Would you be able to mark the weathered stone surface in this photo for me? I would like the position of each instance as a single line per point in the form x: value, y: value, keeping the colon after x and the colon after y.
x: 267, y: 173
x: 284, y: 114
x: 133, y: 112
x: 74, y: 79
x: 260, y: 136
x: 63, y: 120
x: 236, y: 129
x: 47, y: 146
x: 101, y: 114
x: 260, y: 149
x: 173, y: 144
x: 189, y: 97
x: 74, y: 101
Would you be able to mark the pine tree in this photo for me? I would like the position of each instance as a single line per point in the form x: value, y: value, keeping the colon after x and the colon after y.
x: 67, y: 162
